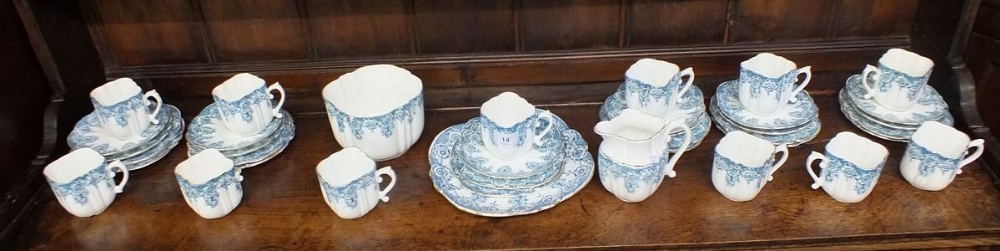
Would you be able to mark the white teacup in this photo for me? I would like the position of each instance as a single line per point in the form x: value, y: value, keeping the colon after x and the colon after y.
x: 935, y: 154
x: 509, y: 125
x: 210, y: 184
x: 899, y: 79
x: 743, y: 164
x: 350, y: 182
x: 244, y: 103
x: 767, y: 83
x: 83, y: 183
x: 121, y: 106
x: 655, y: 87
x: 850, y: 167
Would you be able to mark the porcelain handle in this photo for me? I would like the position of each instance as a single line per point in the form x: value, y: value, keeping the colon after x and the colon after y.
x: 159, y: 102
x: 384, y: 193
x: 817, y: 180
x: 804, y: 70
x: 687, y: 85
x: 978, y: 144
x: 783, y: 149
x: 869, y: 69
x: 669, y: 169
x: 121, y: 166
x: 546, y: 115
x: 238, y: 173
x: 277, y: 109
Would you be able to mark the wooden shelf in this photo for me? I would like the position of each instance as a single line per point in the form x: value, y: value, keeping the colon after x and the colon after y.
x: 282, y: 206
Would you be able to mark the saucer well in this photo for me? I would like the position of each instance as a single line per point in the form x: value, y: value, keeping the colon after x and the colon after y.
x: 207, y: 130
x: 88, y: 133
x: 791, y: 115
x: 930, y: 107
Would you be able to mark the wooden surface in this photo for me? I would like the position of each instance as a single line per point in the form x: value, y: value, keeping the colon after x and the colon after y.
x: 282, y: 207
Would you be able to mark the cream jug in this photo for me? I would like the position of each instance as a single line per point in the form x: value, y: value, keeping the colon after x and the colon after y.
x: 633, y: 157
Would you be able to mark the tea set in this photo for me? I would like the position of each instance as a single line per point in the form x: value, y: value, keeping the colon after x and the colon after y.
x: 514, y: 158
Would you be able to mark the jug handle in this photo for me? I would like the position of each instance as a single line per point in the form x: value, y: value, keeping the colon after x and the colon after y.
x: 978, y: 144
x: 817, y: 180
x: 547, y: 116
x: 669, y: 169
x: 783, y: 148
x: 869, y: 69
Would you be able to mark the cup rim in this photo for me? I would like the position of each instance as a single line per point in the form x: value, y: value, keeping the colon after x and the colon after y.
x: 355, y: 84
x: 860, y: 151
x: 605, y: 128
x: 116, y: 91
x: 204, y: 166
x: 73, y: 165
x: 906, y: 62
x: 745, y: 149
x: 654, y: 72
x: 345, y: 166
x: 941, y: 139
x: 775, y: 67
x: 507, y: 110
x: 238, y: 86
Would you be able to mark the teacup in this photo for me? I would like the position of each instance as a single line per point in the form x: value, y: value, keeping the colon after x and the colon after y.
x: 767, y: 83
x: 654, y: 87
x: 83, y: 182
x: 743, y: 164
x: 509, y: 125
x: 350, y: 182
x: 899, y: 79
x: 210, y: 184
x: 935, y: 154
x: 244, y: 103
x: 850, y: 167
x: 122, y: 108
x: 378, y: 108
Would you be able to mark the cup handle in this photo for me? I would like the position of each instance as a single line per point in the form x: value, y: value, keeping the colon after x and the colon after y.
x: 383, y: 194
x: 804, y: 70
x: 817, y: 180
x: 159, y: 102
x: 978, y: 144
x: 669, y: 169
x: 687, y: 85
x: 784, y: 156
x: 121, y: 166
x: 277, y: 109
x: 546, y: 115
x: 239, y: 174
x: 869, y: 69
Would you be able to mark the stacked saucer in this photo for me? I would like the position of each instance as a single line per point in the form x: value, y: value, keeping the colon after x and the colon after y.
x: 691, y: 109
x: 208, y: 131
x: 875, y: 119
x: 792, y: 124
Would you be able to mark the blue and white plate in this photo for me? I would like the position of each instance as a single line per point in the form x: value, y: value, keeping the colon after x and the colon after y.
x: 693, y: 110
x: 876, y: 128
x: 88, y: 133
x: 478, y: 158
x: 578, y: 169
x: 792, y: 137
x: 207, y: 130
x: 160, y: 148
x: 930, y: 107
x: 270, y: 146
x: 790, y: 116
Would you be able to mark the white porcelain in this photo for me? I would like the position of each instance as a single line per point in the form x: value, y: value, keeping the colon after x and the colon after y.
x: 899, y: 79
x: 89, y: 132
x: 350, y: 182
x: 378, y: 108
x: 210, y: 184
x: 472, y: 150
x: 509, y: 125
x: 877, y: 127
x: 209, y: 130
x: 743, y: 164
x: 83, y: 182
x: 692, y: 110
x: 791, y: 137
x: 935, y: 154
x: 849, y: 168
x: 244, y: 103
x: 154, y: 150
x: 791, y: 115
x: 633, y: 156
x: 655, y: 87
x: 578, y: 169
x: 767, y: 83
x: 122, y: 108
x: 259, y: 152
x: 929, y: 107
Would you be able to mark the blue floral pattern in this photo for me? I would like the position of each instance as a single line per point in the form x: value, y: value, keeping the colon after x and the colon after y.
x: 209, y: 190
x: 931, y: 162
x: 207, y: 129
x: 472, y: 150
x: 645, y: 91
x: 263, y: 150
x: 348, y: 193
x: 78, y: 188
x: 121, y: 111
x: 520, y: 130
x: 752, y: 175
x: 792, y: 115
x: 694, y: 102
x: 161, y: 147
x: 863, y: 179
x: 879, y: 129
x: 88, y: 133
x: 891, y: 77
x: 243, y: 106
x: 931, y: 106
x: 650, y: 174
x: 792, y: 137
x: 774, y: 87
x: 386, y: 123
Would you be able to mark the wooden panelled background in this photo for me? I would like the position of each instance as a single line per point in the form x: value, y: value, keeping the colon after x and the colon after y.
x: 983, y: 57
x: 184, y: 47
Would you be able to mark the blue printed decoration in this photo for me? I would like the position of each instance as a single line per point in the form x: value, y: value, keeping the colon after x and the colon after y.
x: 385, y: 123
x: 752, y: 175
x: 645, y: 91
x: 891, y: 77
x: 79, y: 187
x: 930, y: 162
x: 120, y: 111
x: 650, y: 174
x: 347, y: 193
x: 774, y: 87
x: 863, y: 179
x: 244, y: 106
x: 209, y: 191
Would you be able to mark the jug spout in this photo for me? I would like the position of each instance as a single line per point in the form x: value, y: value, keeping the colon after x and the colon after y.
x: 634, y: 138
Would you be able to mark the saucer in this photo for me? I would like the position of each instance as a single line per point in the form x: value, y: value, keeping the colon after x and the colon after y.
x: 88, y: 133
x: 698, y: 133
x: 930, y: 107
x: 692, y: 110
x: 268, y: 147
x: 207, y: 130
x: 875, y: 128
x: 791, y: 137
x: 160, y: 148
x: 578, y: 169
x: 791, y: 115
x: 478, y: 158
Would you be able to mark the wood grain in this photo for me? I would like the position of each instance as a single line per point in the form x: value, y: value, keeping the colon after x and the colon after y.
x: 454, y: 26
x: 659, y: 23
x: 879, y: 18
x: 351, y: 29
x: 153, y: 33
x: 780, y: 20
x: 569, y: 24
x: 260, y: 30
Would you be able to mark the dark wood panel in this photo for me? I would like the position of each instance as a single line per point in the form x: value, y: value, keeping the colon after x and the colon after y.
x: 983, y: 57
x: 457, y: 26
x: 260, y: 30
x: 988, y: 22
x: 346, y: 28
x: 659, y: 23
x: 879, y: 18
x: 780, y: 20
x: 569, y: 24
x: 143, y: 33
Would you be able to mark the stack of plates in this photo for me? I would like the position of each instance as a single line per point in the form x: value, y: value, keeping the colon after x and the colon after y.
x: 150, y: 146
x: 209, y: 132
x: 878, y: 121
x: 692, y: 110
x: 793, y: 124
